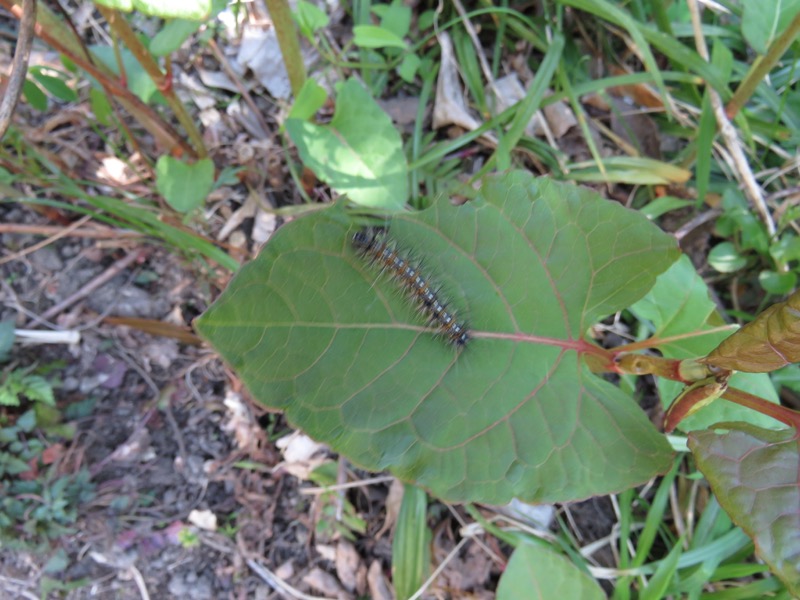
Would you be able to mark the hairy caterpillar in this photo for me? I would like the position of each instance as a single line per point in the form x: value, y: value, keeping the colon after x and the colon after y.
x: 374, y: 245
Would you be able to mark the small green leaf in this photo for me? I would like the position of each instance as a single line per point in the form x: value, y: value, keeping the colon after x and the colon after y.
x: 725, y: 258
x: 101, y: 107
x: 57, y: 562
x: 184, y: 186
x: 426, y: 19
x: 663, y: 205
x: 408, y: 68
x: 11, y: 465
x: 8, y: 435
x: 765, y: 20
x: 172, y: 36
x: 311, y: 98
x: 359, y: 153
x: 309, y: 18
x: 55, y: 85
x: 27, y: 421
x: 139, y: 82
x: 786, y: 249
x: 34, y: 95
x: 777, y: 283
x: 166, y: 9
x: 38, y: 389
x: 372, y: 36
x: 536, y: 573
x: 8, y: 396
x: 123, y: 5
x: 754, y: 475
x: 396, y: 17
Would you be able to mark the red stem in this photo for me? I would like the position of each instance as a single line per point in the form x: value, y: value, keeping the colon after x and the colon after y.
x: 776, y: 411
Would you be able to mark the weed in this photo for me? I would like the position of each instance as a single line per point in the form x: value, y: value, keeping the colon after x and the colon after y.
x: 38, y: 503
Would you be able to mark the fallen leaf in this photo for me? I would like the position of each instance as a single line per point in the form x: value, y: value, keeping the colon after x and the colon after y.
x: 392, y: 505
x: 450, y: 107
x: 325, y: 583
x: 376, y: 581
x: 347, y: 565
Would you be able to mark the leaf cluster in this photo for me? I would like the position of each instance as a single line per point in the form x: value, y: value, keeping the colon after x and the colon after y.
x: 38, y: 504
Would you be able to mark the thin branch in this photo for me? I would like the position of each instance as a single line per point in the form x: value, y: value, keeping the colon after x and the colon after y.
x: 98, y: 281
x: 729, y: 133
x: 19, y: 67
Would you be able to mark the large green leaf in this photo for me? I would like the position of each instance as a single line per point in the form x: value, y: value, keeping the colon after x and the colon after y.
x: 314, y: 330
x: 359, y: 153
x: 534, y: 572
x: 755, y: 474
x: 684, y: 316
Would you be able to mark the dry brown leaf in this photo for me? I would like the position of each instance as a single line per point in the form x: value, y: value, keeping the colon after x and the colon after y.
x: 559, y: 116
x: 636, y: 127
x: 348, y: 563
x: 378, y: 586
x: 393, y: 502
x: 450, y: 107
x: 325, y: 583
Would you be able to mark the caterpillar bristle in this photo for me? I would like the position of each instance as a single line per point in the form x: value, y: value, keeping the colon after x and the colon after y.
x: 374, y: 245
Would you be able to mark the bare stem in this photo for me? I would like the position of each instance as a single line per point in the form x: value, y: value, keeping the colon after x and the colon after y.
x: 123, y: 30
x: 52, y: 30
x: 281, y: 15
x: 20, y: 65
x: 776, y: 411
x: 729, y: 134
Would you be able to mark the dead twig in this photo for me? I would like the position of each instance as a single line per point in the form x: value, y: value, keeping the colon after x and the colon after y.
x: 58, y: 231
x: 62, y: 231
x: 742, y: 169
x: 98, y: 281
x: 19, y: 67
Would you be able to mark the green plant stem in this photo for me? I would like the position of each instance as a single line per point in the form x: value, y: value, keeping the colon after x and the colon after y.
x: 123, y: 30
x: 54, y: 32
x: 281, y: 15
x: 761, y: 68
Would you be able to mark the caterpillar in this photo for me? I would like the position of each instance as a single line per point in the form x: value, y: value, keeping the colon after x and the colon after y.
x: 373, y: 245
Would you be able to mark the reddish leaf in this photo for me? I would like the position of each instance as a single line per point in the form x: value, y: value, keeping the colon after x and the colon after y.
x: 52, y: 453
x: 755, y: 474
x: 770, y: 342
